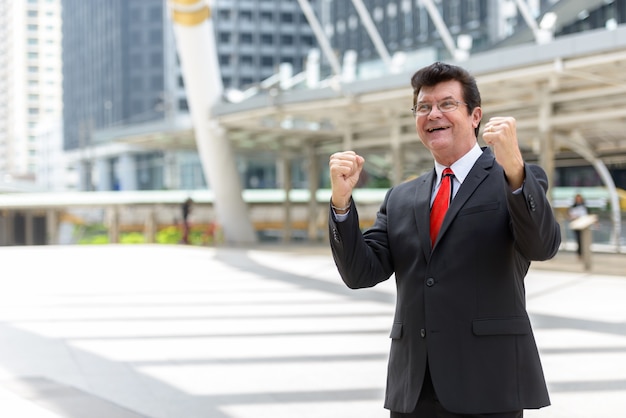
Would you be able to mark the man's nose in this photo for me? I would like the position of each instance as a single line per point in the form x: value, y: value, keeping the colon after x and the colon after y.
x: 434, y: 112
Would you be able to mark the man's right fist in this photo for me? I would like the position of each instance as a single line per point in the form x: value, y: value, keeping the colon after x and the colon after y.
x: 345, y: 169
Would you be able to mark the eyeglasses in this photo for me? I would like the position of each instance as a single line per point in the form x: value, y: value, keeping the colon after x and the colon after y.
x: 444, y: 106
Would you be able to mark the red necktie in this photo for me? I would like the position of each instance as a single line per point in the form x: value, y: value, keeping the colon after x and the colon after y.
x: 440, y: 204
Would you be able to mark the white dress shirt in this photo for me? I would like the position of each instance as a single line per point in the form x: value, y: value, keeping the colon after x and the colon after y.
x: 461, y: 169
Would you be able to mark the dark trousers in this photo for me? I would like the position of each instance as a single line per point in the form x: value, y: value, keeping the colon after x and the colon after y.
x: 579, y: 242
x: 428, y: 406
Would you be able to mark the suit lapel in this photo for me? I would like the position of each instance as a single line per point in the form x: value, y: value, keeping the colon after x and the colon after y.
x: 422, y: 210
x: 475, y: 177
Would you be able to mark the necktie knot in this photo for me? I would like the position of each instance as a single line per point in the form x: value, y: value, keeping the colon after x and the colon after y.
x: 440, y: 204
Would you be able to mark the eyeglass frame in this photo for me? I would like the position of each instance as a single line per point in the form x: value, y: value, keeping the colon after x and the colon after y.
x: 415, y: 113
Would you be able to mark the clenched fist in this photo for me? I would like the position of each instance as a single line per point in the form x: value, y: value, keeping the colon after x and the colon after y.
x: 501, y: 134
x: 345, y: 169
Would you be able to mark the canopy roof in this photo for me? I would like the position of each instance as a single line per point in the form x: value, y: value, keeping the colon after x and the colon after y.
x: 578, y: 82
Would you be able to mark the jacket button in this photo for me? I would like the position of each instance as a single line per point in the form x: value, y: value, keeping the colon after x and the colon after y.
x: 531, y: 202
x: 430, y: 282
x: 423, y: 333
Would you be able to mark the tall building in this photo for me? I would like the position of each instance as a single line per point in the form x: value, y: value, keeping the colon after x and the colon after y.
x: 254, y: 37
x: 126, y: 121
x: 30, y: 82
x: 119, y: 78
x: 411, y: 26
x: 406, y: 25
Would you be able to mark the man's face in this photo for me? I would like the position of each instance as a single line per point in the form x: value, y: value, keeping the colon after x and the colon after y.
x: 448, y: 135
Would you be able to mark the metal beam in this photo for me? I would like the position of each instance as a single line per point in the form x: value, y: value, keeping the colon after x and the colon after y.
x: 370, y: 27
x: 441, y: 26
x: 321, y: 37
x: 528, y: 18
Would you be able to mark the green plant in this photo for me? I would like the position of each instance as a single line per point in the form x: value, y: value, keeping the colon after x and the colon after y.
x: 94, y: 240
x: 169, y: 235
x: 132, y: 238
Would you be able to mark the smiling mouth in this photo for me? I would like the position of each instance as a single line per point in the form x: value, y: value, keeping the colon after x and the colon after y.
x: 438, y: 128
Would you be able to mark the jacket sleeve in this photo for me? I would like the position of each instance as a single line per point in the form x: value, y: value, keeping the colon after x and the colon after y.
x: 362, y: 261
x: 536, y: 231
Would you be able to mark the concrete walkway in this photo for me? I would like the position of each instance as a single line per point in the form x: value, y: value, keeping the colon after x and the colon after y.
x: 188, y: 332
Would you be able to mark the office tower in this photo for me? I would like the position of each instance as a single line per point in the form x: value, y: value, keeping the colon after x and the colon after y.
x: 405, y: 25
x: 119, y: 81
x: 30, y: 84
x: 254, y: 37
x: 411, y: 26
x: 126, y: 120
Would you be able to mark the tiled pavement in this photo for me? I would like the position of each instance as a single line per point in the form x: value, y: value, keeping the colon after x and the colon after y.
x: 186, y: 332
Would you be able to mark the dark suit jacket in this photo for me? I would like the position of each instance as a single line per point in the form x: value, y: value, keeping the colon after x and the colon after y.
x: 460, y: 305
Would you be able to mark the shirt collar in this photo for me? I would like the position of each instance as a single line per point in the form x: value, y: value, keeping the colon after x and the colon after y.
x: 462, y: 166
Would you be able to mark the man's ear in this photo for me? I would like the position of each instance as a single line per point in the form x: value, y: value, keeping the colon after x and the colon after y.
x: 477, y: 115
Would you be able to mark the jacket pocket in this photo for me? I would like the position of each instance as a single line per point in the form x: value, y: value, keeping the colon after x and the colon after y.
x: 479, y: 208
x: 396, y: 331
x: 501, y: 326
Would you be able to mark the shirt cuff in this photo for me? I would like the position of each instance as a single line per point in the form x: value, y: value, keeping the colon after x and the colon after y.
x: 340, y: 217
x: 519, y: 191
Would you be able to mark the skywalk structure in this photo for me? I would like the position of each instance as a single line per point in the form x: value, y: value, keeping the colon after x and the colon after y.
x: 567, y: 95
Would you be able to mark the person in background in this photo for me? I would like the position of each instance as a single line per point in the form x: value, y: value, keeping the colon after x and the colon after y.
x: 461, y: 340
x: 578, y: 209
x: 186, y: 208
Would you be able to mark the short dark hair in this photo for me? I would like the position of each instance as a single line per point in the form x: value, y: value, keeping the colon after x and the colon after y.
x: 439, y: 72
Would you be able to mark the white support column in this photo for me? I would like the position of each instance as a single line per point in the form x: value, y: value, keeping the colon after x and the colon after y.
x: 103, y: 169
x: 285, y: 181
x: 29, y: 227
x: 127, y: 172
x: 546, y: 156
x: 52, y: 227
x: 150, y: 226
x: 171, y: 174
x: 195, y: 40
x: 8, y: 231
x: 4, y: 225
x: 312, y: 68
x: 313, y: 181
x: 84, y: 175
x: 113, y: 224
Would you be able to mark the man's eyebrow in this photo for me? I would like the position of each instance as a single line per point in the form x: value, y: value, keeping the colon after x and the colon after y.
x: 445, y: 98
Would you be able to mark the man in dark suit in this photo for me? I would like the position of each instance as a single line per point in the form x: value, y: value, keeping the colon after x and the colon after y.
x: 461, y: 340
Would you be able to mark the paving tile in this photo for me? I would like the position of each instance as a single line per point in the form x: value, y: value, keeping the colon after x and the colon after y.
x: 269, y: 331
